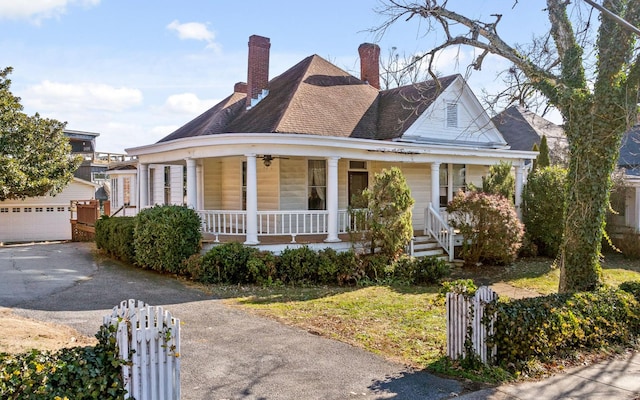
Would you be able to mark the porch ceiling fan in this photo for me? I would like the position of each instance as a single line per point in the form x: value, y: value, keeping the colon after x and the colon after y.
x: 268, y: 158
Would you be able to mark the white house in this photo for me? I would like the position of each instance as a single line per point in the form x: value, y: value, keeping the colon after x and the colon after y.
x: 285, y: 156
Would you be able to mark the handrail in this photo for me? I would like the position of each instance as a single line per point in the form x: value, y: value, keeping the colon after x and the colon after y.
x: 438, y: 228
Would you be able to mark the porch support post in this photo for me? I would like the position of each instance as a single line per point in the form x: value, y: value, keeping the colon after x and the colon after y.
x: 252, y: 201
x: 519, y: 187
x: 435, y: 185
x: 192, y: 184
x: 143, y: 185
x: 332, y: 199
x: 200, y: 187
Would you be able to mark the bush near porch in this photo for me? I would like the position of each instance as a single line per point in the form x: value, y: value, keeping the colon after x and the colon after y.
x: 233, y: 263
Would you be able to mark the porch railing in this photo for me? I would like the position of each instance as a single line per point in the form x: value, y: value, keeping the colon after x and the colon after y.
x: 438, y: 228
x: 272, y: 223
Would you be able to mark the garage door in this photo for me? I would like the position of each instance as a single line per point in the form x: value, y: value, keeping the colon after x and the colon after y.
x: 34, y: 223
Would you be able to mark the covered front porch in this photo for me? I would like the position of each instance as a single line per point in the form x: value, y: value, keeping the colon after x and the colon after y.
x: 302, y: 188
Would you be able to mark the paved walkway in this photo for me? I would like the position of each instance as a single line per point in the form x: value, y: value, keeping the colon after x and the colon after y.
x: 230, y: 354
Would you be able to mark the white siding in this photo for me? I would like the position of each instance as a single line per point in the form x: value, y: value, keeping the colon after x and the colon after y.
x: 177, y: 184
x: 293, y: 184
x: 343, y: 184
x: 212, y: 177
x: 474, y: 174
x: 158, y: 184
x: 268, y: 185
x: 231, y: 183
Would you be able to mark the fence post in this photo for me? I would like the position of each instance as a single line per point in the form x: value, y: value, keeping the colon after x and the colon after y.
x: 464, y: 322
x: 148, y: 338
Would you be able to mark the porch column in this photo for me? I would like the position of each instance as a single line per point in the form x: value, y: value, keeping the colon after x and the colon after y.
x: 435, y: 185
x: 192, y: 184
x: 200, y: 185
x: 519, y: 187
x: 252, y: 201
x: 143, y: 185
x: 332, y: 199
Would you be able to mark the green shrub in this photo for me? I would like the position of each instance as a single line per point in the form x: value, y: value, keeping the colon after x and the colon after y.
x: 75, y: 373
x: 543, y: 328
x: 500, y: 181
x: 430, y: 270
x: 491, y: 230
x: 298, y: 265
x: 232, y: 263
x: 419, y: 271
x: 632, y: 287
x: 114, y: 235
x: 388, y: 221
x: 543, y: 209
x: 165, y: 236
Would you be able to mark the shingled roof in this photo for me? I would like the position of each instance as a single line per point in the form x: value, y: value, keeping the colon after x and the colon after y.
x: 315, y: 97
x: 630, y: 151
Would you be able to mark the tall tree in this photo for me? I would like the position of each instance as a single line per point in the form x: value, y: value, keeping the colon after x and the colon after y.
x: 597, y: 106
x: 35, y: 155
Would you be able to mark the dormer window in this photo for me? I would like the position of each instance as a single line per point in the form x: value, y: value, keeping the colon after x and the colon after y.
x: 452, y: 115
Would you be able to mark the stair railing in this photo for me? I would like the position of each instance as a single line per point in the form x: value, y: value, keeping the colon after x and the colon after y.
x: 438, y: 228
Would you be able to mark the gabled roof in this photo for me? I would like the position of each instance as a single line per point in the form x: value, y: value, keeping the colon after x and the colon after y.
x: 315, y: 97
x: 521, y: 129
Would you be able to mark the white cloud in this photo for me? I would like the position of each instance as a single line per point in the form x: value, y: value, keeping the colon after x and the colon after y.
x: 37, y: 10
x: 194, y: 31
x: 53, y: 95
x: 188, y: 103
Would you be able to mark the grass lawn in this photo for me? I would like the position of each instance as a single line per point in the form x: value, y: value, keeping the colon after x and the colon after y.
x: 403, y: 324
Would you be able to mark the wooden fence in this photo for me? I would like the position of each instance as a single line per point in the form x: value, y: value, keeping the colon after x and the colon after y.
x: 464, y: 322
x: 148, y: 338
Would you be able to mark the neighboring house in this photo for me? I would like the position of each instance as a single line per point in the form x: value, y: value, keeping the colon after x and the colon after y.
x: 627, y: 202
x: 44, y: 217
x: 285, y: 156
x: 522, y: 129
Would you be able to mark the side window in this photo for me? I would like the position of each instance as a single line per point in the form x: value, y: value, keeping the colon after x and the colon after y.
x: 317, y: 188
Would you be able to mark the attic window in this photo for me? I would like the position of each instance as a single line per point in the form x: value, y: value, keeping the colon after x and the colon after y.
x: 452, y: 115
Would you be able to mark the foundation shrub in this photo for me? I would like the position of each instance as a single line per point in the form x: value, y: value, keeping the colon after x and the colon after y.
x: 114, y: 235
x: 555, y: 326
x: 74, y: 373
x: 165, y: 236
x: 430, y: 270
x: 227, y: 263
x: 491, y: 230
x: 299, y: 265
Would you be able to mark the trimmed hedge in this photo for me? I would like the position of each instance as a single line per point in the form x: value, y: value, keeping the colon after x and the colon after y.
x: 114, y: 235
x: 543, y: 328
x: 165, y: 236
x: 233, y: 263
x: 76, y: 373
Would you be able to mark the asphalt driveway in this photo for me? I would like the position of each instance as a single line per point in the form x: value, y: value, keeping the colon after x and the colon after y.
x: 226, y: 353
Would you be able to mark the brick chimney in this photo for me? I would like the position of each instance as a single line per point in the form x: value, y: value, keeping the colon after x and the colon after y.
x: 370, y: 64
x: 240, y: 87
x: 258, y: 70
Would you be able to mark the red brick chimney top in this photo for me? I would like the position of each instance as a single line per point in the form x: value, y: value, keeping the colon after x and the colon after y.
x: 258, y: 70
x: 240, y: 87
x: 370, y: 64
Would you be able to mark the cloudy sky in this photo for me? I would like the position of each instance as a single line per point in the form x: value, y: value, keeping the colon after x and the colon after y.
x: 134, y: 71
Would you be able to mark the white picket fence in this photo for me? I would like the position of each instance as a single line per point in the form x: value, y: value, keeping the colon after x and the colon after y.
x: 464, y: 312
x: 148, y: 338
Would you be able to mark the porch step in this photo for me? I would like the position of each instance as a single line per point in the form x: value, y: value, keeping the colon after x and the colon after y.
x: 426, y: 246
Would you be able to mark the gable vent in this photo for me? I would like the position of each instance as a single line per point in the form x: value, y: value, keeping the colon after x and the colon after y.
x: 452, y: 115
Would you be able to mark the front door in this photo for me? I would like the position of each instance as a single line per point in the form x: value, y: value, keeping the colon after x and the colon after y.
x: 358, y: 181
